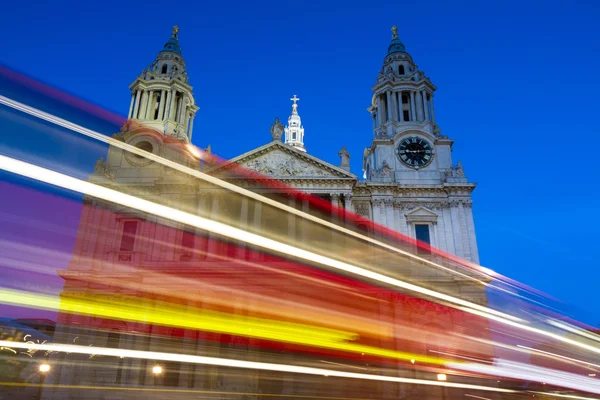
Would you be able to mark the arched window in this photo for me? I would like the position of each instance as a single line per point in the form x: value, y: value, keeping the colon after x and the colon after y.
x: 401, y: 69
x: 164, y: 69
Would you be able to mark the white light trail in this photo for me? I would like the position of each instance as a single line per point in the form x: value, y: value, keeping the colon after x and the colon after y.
x: 80, y: 186
x: 226, y: 185
x: 226, y: 362
x: 587, y: 363
x: 515, y: 370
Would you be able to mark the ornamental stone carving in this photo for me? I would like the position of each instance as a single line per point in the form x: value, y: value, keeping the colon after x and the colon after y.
x: 280, y: 164
x: 362, y: 208
x: 384, y: 172
x: 411, y: 206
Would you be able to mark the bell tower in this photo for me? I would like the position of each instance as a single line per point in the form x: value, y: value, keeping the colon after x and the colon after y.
x: 161, y: 97
x: 294, y: 131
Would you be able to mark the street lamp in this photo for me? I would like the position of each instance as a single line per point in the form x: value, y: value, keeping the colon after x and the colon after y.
x: 43, y: 368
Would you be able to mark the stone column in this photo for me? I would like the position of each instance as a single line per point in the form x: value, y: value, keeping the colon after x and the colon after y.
x: 348, y: 202
x: 374, y: 117
x: 379, y: 111
x: 413, y: 116
x: 468, y: 207
x: 144, y: 105
x: 183, y: 111
x: 388, y: 106
x: 394, y: 106
x: 161, y: 108
x: 389, y: 213
x: 172, y: 106
x: 138, y: 93
x: 168, y: 105
x: 148, y: 104
x: 456, y: 228
x: 425, y: 105
x: 432, y: 110
x: 191, y: 126
x: 131, y: 105
x: 419, y: 102
x: 400, y: 108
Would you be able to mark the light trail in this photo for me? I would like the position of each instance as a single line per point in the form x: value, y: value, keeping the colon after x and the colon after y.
x: 226, y: 362
x: 553, y: 355
x: 525, y: 372
x: 211, y: 321
x: 226, y: 185
x: 80, y: 186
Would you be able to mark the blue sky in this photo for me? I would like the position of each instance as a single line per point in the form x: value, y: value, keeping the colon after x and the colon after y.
x: 517, y: 89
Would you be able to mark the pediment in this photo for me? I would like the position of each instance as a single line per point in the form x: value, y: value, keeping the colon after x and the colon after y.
x: 422, y: 211
x: 280, y: 161
x: 421, y: 214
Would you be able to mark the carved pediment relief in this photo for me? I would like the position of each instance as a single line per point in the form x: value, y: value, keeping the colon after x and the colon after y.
x: 279, y: 161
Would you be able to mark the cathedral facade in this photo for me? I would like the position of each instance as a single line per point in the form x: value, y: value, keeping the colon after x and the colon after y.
x: 410, y: 186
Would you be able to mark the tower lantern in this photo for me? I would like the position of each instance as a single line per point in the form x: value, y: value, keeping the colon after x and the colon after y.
x: 161, y: 97
x: 294, y: 131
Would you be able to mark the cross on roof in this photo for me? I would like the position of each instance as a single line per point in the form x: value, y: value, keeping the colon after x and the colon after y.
x: 295, y: 99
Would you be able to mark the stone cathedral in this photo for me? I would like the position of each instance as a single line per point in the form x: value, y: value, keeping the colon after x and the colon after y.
x: 411, y: 184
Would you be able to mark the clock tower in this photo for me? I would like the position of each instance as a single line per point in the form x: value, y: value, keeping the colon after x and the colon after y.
x: 411, y: 184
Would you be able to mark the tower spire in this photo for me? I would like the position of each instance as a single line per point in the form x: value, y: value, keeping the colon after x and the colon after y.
x: 162, y: 97
x: 294, y: 131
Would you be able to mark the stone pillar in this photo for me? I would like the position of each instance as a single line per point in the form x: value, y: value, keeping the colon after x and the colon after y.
x: 348, y: 202
x: 161, y: 109
x: 413, y: 116
x: 144, y: 104
x: 425, y: 105
x: 183, y: 111
x: 379, y: 111
x: 389, y: 213
x: 456, y: 228
x: 191, y: 126
x: 374, y: 117
x: 432, y: 110
x: 400, y: 108
x: 419, y: 102
x: 388, y: 106
x: 148, y: 104
x: 468, y: 207
x: 172, y: 106
x: 168, y: 105
x: 137, y: 103
x: 394, y: 106
x: 131, y: 105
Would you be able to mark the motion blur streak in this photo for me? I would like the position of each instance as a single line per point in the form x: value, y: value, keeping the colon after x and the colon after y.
x: 557, y: 356
x: 515, y: 370
x: 151, y: 355
x: 80, y: 186
x: 169, y: 315
x: 208, y: 178
x: 575, y: 330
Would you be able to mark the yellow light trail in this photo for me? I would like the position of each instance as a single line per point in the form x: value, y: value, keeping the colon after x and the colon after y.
x: 226, y: 362
x: 168, y: 314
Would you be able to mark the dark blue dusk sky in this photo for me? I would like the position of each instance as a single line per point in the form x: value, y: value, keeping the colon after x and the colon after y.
x: 517, y: 87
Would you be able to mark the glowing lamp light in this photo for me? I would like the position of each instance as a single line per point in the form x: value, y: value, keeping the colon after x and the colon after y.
x: 442, y: 377
x: 412, y: 360
x: 157, y: 370
x: 44, y: 368
x: 194, y: 151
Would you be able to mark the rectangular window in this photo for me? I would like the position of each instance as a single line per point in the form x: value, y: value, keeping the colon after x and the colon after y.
x: 422, y: 234
x: 406, y: 115
x: 128, y: 238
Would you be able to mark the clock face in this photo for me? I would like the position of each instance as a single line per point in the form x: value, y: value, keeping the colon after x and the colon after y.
x: 415, y: 152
